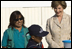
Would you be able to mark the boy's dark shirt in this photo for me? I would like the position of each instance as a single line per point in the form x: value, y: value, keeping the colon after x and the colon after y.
x: 33, y: 44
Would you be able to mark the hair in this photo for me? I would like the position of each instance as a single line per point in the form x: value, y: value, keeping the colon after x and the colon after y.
x: 56, y: 3
x: 14, y: 15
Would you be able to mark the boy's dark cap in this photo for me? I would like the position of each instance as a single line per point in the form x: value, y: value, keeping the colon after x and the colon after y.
x: 36, y: 30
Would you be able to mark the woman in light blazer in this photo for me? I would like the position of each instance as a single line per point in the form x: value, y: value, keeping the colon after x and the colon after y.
x: 58, y: 26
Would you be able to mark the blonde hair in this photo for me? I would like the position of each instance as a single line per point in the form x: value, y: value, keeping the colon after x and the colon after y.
x: 56, y: 3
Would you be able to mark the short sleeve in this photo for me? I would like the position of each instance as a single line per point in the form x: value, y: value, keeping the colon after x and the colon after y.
x: 4, y: 39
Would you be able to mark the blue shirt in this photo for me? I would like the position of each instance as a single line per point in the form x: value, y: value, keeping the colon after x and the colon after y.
x: 18, y: 38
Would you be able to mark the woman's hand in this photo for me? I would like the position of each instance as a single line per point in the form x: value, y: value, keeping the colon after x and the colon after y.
x: 4, y: 47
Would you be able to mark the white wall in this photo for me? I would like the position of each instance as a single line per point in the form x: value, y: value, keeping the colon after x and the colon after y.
x: 33, y: 15
x: 28, y: 3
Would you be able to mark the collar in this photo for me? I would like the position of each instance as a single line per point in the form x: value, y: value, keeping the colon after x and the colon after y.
x: 64, y: 16
x: 56, y: 19
x: 35, y: 43
x: 39, y: 43
x: 17, y: 29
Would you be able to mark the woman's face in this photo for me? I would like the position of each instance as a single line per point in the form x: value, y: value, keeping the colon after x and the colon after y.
x: 37, y: 39
x: 58, y: 10
x: 19, y: 22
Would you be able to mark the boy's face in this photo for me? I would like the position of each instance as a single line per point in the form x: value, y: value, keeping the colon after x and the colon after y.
x: 36, y: 38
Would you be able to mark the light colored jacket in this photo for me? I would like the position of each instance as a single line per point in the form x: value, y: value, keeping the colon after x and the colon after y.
x: 58, y: 31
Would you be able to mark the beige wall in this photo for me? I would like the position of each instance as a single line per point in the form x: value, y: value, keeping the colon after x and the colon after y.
x: 33, y: 15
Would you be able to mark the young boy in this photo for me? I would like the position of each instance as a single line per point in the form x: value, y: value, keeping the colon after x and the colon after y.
x: 36, y: 33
